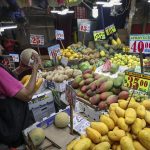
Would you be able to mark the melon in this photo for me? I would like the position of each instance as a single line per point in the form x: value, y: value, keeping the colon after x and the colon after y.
x: 37, y: 136
x: 62, y: 120
x: 26, y: 54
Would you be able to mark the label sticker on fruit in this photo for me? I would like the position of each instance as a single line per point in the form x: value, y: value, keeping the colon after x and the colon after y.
x: 99, y: 35
x: 70, y: 95
x: 36, y: 39
x: 140, y: 42
x: 54, y: 51
x: 84, y: 27
x: 110, y: 29
x: 137, y: 81
x: 59, y: 34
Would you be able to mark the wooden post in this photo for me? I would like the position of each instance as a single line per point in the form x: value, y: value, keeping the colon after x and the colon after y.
x: 62, y: 44
x: 83, y: 38
x: 141, y: 61
x: 71, y: 119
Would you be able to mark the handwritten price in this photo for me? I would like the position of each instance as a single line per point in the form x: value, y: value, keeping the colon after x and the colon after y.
x: 137, y: 83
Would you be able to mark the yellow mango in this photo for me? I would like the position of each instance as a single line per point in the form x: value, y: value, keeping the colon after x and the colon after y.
x: 146, y: 104
x: 92, y: 146
x: 129, y: 135
x: 122, y: 124
x: 141, y: 111
x: 147, y: 117
x: 102, y: 146
x: 105, y: 139
x: 137, y: 126
x: 113, y: 116
x: 108, y: 121
x: 138, y: 145
x: 130, y: 115
x: 82, y: 144
x: 118, y: 147
x: 144, y: 123
x: 120, y: 112
x: 144, y: 138
x: 71, y: 144
x: 100, y: 127
x: 123, y: 104
x: 93, y: 134
x: 83, y: 136
x: 133, y: 105
x: 116, y: 135
x: 126, y: 143
x: 113, y: 106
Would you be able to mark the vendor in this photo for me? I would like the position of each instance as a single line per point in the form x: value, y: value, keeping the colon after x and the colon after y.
x: 14, y: 97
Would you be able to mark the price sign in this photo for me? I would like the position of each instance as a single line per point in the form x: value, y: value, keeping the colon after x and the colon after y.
x: 36, y: 39
x: 110, y: 29
x: 15, y: 57
x: 99, y: 35
x: 59, y: 34
x: 137, y: 81
x: 84, y: 28
x: 54, y: 51
x: 70, y: 95
x: 64, y: 61
x: 140, y: 42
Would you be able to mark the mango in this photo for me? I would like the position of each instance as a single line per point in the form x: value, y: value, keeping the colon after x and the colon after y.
x: 116, y: 90
x: 112, y: 99
x: 138, y: 145
x: 90, y: 93
x: 105, y: 95
x: 95, y: 99
x: 130, y: 116
x: 106, y: 86
x: 84, y: 88
x: 123, y: 95
x: 89, y: 80
x: 141, y: 111
x: 137, y: 126
x: 82, y: 83
x: 102, y: 105
x: 100, y: 127
x: 102, y: 146
x: 93, y: 134
x: 80, y: 94
x: 100, y: 81
x: 118, y: 81
x: 87, y: 75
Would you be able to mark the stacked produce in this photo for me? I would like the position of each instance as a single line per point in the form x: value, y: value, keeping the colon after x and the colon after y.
x: 70, y: 54
x: 130, y: 61
x: 100, y: 90
x: 60, y: 74
x: 126, y: 127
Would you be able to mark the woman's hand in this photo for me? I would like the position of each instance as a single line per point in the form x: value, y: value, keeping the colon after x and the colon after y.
x: 37, y: 61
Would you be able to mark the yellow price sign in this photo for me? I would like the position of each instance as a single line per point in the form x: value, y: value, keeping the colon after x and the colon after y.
x: 99, y: 35
x: 110, y: 29
x: 137, y: 81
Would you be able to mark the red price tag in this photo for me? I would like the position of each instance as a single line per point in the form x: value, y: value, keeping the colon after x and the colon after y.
x: 36, y: 39
x: 85, y: 28
x: 140, y: 43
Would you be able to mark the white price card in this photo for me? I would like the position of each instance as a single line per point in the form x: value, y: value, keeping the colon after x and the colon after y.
x: 84, y: 27
x: 15, y: 57
x: 54, y: 51
x: 59, y: 34
x: 140, y: 42
x: 36, y: 39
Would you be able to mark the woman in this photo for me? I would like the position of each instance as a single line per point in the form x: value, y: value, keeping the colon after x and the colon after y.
x: 14, y: 113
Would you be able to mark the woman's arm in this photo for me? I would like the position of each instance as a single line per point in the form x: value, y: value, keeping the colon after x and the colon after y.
x: 26, y: 93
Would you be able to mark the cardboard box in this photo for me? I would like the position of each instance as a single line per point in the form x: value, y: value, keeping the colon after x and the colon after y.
x: 41, y: 99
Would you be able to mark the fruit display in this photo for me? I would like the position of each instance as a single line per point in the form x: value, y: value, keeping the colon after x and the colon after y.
x: 78, y: 47
x: 125, y: 127
x: 60, y: 74
x: 61, y: 120
x: 100, y: 90
x: 70, y: 54
x: 37, y: 136
x: 126, y: 60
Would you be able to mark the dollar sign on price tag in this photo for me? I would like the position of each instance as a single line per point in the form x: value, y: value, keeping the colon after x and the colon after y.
x: 137, y: 81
